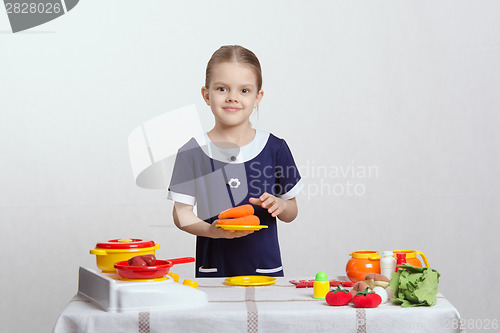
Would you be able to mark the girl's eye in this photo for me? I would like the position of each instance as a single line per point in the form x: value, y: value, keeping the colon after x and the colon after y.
x: 221, y: 89
x: 245, y: 91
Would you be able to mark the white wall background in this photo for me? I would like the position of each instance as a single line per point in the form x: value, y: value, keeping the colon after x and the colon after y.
x: 407, y: 87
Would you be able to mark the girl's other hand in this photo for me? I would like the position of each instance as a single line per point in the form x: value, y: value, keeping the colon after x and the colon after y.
x: 274, y: 205
x: 229, y: 234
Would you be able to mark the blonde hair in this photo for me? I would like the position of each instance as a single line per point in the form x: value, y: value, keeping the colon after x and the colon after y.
x: 234, y: 53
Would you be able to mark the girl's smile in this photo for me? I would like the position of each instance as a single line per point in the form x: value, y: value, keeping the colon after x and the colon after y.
x: 231, y: 109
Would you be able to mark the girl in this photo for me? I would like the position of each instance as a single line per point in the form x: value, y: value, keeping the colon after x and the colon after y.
x: 231, y: 165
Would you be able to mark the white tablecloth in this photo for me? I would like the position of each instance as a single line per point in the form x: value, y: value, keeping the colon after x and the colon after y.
x: 277, y: 308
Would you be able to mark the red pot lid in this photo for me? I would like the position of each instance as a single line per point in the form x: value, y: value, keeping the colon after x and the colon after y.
x: 125, y: 243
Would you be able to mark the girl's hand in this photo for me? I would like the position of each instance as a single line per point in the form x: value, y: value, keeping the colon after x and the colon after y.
x: 229, y: 234
x: 275, y: 206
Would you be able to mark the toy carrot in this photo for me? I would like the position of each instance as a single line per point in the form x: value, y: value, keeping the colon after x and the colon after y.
x: 239, y: 211
x: 245, y: 220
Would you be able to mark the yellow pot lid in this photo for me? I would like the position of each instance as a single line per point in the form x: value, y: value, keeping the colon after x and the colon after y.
x: 250, y: 280
x: 365, y: 255
x: 409, y: 253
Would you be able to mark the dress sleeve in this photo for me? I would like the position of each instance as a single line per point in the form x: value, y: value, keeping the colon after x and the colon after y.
x: 182, y: 185
x: 288, y: 180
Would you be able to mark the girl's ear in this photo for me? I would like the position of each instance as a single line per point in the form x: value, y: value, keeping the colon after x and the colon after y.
x: 204, y: 93
x: 260, y: 94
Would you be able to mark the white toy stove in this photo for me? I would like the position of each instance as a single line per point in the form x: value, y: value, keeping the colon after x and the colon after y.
x: 111, y: 294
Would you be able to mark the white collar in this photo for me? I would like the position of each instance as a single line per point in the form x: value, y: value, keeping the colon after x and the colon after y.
x: 236, y: 154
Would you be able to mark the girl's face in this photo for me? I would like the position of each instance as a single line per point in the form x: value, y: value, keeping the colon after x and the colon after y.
x: 232, y: 93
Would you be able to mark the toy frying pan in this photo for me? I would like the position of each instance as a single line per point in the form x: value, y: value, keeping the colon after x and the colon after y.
x: 159, y: 270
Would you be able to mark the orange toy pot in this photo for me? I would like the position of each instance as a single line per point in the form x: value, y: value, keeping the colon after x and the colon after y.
x: 362, y: 263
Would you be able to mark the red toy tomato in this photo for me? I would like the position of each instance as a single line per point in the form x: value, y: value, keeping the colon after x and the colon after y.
x: 338, y: 297
x: 366, y: 299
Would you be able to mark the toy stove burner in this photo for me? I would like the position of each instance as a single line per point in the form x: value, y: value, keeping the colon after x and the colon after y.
x: 110, y: 293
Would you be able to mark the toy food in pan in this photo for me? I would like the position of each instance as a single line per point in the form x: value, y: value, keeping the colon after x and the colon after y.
x: 159, y: 270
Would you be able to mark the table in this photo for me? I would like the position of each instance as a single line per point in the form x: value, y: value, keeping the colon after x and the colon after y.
x: 277, y: 308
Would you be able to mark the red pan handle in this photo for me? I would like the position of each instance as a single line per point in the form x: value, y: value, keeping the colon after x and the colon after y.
x: 181, y: 260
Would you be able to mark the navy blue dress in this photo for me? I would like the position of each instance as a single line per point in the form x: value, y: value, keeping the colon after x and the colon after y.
x: 214, y: 179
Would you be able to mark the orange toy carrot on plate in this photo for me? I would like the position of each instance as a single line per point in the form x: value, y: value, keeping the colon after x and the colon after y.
x: 245, y: 220
x: 239, y: 211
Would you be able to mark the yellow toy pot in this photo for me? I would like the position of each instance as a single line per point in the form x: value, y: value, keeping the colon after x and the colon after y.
x: 112, y: 251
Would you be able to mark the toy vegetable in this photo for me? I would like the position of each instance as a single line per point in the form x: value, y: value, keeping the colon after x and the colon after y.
x: 338, y: 297
x: 358, y: 286
x: 414, y: 286
x: 366, y: 299
x: 373, y: 280
x: 382, y: 293
x: 377, y: 283
x: 245, y: 220
x: 240, y: 215
x: 236, y: 212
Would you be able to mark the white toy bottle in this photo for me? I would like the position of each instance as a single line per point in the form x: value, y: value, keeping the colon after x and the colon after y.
x: 387, y: 264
